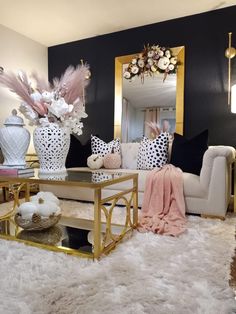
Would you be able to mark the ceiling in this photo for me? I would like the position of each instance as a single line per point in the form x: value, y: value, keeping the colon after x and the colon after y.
x: 52, y: 22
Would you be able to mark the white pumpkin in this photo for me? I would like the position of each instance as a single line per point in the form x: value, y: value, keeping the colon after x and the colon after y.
x: 46, y: 196
x: 47, y: 208
x: 95, y: 161
x: 90, y: 237
x: 27, y: 209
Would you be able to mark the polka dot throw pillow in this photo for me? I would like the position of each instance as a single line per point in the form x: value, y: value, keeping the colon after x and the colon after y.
x: 153, y: 153
x: 102, y: 148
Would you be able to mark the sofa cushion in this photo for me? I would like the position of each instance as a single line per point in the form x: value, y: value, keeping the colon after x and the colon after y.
x: 128, y: 184
x: 102, y: 148
x: 153, y: 153
x: 187, y: 154
x: 129, y: 154
x: 193, y: 187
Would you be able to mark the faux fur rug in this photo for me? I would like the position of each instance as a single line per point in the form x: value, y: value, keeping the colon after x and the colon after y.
x: 146, y: 273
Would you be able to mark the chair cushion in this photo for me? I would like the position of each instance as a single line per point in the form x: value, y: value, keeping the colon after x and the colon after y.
x: 187, y: 154
x: 129, y: 154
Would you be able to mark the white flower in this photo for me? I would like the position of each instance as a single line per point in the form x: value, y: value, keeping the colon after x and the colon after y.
x: 153, y: 68
x: 47, y: 96
x: 163, y: 63
x: 173, y: 60
x: 150, y: 53
x: 141, y: 63
x: 127, y: 74
x: 44, y: 121
x: 167, y: 53
x: 29, y: 113
x: 59, y: 107
x: 161, y: 53
x: 134, y: 61
x: 134, y: 69
x: 150, y: 61
x: 36, y: 96
x: 171, y: 67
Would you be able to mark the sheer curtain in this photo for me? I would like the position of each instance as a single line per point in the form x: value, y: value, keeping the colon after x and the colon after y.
x: 125, y: 120
x: 151, y: 115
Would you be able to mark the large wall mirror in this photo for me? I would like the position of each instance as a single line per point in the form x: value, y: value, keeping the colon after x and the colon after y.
x: 152, y: 100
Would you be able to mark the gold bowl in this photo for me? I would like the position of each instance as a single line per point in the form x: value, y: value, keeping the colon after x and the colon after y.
x: 36, y: 222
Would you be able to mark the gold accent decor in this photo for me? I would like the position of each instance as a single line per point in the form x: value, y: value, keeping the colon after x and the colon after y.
x: 230, y: 53
x: 119, y: 61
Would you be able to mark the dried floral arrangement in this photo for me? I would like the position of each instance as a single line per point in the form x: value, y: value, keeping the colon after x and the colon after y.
x: 62, y: 102
x: 153, y: 59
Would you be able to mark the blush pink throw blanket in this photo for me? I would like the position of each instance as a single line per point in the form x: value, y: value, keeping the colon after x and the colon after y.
x: 163, y: 208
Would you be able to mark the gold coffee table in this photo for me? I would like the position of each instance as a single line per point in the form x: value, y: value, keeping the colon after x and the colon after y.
x: 67, y: 234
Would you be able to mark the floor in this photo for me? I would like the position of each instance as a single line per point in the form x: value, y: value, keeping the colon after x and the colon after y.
x: 232, y: 281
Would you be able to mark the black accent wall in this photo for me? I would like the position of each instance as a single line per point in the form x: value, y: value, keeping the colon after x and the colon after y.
x: 205, y: 37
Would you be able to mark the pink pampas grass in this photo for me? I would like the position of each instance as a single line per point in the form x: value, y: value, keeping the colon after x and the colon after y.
x: 17, y: 86
x: 62, y: 103
x: 72, y: 83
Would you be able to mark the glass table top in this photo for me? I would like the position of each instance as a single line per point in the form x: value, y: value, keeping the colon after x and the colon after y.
x: 74, y: 177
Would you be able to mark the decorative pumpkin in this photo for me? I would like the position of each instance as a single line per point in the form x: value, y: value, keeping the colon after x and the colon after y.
x: 47, y: 208
x: 27, y: 209
x: 112, y: 160
x: 95, y: 161
x: 41, y: 213
x: 46, y: 196
x: 90, y: 237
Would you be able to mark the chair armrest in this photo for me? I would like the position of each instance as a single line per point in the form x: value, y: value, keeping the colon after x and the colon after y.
x: 213, y: 152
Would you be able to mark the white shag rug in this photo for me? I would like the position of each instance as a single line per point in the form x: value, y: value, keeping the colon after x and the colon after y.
x: 146, y: 273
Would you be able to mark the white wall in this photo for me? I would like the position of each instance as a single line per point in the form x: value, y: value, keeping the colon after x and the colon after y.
x: 19, y: 52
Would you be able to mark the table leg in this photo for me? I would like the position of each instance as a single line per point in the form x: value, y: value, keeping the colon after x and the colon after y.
x: 97, y: 222
x: 135, y: 202
x: 27, y: 192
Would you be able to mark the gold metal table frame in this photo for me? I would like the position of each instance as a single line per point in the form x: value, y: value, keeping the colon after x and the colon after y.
x: 102, y: 245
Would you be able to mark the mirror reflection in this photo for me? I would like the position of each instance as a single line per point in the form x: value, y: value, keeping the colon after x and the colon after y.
x: 141, y: 107
x: 146, y: 106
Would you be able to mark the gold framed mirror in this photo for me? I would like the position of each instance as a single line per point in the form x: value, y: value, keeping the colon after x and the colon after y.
x: 179, y: 52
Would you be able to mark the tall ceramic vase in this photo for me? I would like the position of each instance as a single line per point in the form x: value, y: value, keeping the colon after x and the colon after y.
x: 51, y: 144
x: 14, y: 141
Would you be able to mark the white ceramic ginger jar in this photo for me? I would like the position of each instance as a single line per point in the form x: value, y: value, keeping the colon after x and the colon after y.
x: 51, y: 144
x: 14, y: 141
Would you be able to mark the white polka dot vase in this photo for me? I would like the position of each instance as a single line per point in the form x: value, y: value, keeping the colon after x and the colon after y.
x: 51, y: 145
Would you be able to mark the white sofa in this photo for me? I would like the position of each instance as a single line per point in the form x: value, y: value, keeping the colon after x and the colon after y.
x: 207, y: 194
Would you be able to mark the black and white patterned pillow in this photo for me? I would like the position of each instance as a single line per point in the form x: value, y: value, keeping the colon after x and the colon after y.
x: 153, y: 153
x: 99, y: 176
x: 101, y: 148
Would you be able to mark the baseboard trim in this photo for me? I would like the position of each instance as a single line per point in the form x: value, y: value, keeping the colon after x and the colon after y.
x: 212, y: 217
